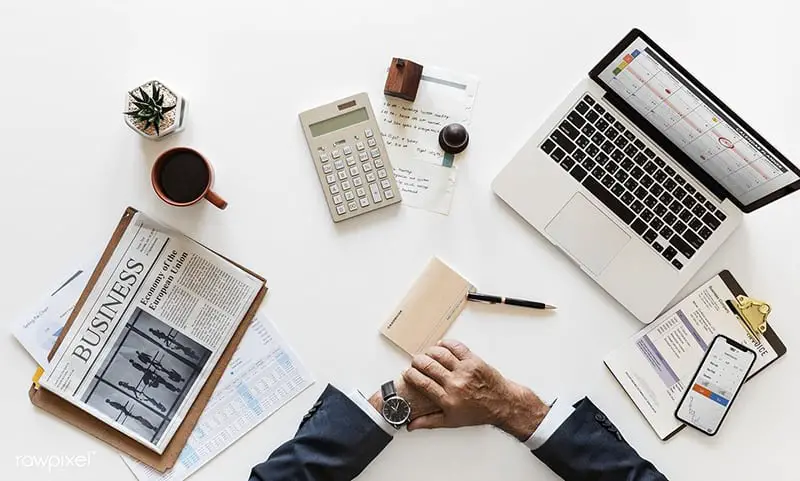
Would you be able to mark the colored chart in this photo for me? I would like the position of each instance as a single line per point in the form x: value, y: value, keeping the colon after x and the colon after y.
x: 693, y: 123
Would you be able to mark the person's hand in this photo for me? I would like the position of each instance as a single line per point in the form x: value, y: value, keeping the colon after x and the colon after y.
x: 420, y: 404
x: 470, y: 392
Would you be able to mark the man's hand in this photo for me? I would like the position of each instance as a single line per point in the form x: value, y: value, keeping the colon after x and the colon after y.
x: 421, y: 405
x: 469, y: 392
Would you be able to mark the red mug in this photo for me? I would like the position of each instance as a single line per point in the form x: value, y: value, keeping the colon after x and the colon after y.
x: 182, y: 177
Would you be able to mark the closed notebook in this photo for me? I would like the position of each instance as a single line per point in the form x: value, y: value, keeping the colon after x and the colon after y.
x: 429, y: 308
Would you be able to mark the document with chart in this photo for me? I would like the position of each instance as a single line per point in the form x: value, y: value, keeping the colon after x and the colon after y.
x: 262, y: 376
x: 656, y: 365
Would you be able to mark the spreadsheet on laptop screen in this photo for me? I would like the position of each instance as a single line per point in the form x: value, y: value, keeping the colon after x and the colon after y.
x: 676, y: 107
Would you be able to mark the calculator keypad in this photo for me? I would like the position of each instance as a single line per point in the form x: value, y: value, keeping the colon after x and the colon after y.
x: 357, y: 183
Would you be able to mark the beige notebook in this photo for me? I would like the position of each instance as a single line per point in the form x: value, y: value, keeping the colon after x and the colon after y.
x: 430, y: 307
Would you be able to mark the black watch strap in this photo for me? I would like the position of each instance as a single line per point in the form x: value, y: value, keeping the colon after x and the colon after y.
x: 388, y: 390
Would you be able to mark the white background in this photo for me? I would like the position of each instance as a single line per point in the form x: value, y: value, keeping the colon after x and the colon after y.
x: 70, y: 166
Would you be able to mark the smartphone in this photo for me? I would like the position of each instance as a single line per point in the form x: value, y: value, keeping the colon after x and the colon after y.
x: 715, y: 385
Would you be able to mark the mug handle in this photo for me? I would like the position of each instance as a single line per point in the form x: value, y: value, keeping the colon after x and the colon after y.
x: 215, y: 199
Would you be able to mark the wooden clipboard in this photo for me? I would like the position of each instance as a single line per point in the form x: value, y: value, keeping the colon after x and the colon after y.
x: 731, y: 290
x: 97, y: 428
x: 769, y: 335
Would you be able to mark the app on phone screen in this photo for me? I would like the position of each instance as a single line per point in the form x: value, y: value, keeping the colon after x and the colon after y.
x: 717, y: 381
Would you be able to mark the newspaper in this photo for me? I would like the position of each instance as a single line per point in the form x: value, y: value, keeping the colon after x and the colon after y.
x: 150, y: 332
x: 262, y: 376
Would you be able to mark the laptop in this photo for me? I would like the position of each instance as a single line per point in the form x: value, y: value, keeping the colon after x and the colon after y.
x: 641, y: 174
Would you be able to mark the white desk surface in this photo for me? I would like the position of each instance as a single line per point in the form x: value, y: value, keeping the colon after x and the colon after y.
x: 70, y: 166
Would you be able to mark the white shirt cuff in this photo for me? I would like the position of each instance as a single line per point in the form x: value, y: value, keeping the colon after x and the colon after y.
x: 361, y: 401
x: 559, y: 412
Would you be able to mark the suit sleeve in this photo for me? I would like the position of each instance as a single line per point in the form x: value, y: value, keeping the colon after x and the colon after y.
x: 335, y: 442
x: 587, y: 446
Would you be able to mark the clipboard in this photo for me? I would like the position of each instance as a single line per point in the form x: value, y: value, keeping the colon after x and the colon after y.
x: 66, y: 411
x: 640, y: 369
x: 768, y: 334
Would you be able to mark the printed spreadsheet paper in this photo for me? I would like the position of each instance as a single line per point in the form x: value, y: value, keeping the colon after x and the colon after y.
x: 657, y: 363
x: 263, y: 375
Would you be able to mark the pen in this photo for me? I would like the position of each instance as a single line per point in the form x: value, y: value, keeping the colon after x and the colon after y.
x: 488, y: 298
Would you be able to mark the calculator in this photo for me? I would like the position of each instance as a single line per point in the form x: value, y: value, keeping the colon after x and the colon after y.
x: 351, y: 160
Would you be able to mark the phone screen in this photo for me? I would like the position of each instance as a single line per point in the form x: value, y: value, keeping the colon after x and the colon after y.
x: 716, y: 383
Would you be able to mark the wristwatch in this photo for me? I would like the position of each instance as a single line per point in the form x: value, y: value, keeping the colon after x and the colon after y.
x: 396, y: 410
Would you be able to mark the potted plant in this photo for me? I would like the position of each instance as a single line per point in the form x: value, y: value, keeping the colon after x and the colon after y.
x: 154, y: 111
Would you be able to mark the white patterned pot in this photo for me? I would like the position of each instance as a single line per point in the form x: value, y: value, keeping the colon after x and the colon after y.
x: 154, y: 110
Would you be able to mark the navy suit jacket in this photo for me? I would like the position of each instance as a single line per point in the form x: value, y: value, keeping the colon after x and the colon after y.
x: 337, y: 440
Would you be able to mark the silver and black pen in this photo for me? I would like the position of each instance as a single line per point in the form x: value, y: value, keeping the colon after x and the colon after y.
x: 490, y: 299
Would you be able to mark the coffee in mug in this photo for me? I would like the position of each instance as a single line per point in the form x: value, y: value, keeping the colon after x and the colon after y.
x: 182, y: 177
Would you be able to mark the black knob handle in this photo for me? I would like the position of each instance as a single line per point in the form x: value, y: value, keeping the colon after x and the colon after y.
x: 453, y: 138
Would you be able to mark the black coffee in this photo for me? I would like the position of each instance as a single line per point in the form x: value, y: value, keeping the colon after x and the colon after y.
x: 183, y: 176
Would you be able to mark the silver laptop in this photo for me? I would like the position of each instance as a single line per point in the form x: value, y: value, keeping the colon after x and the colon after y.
x: 641, y: 174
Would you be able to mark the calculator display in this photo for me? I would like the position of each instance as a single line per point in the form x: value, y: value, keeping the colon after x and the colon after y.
x: 339, y: 122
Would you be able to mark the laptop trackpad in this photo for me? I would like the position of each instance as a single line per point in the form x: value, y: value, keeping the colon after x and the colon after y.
x: 587, y: 234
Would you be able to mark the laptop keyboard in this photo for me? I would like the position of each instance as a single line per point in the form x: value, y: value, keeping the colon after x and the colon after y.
x: 616, y: 166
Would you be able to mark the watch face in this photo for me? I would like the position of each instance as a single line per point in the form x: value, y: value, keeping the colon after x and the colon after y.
x: 396, y: 410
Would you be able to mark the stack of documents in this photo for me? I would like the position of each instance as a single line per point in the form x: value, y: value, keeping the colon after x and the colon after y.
x: 263, y: 375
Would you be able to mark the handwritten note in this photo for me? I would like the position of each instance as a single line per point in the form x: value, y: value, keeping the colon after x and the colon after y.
x: 411, y: 133
x: 406, y: 126
x: 425, y: 185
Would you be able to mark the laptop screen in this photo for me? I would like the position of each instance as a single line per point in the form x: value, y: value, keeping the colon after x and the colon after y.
x: 699, y: 125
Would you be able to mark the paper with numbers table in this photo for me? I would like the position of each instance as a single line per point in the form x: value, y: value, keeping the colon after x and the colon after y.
x: 263, y: 375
